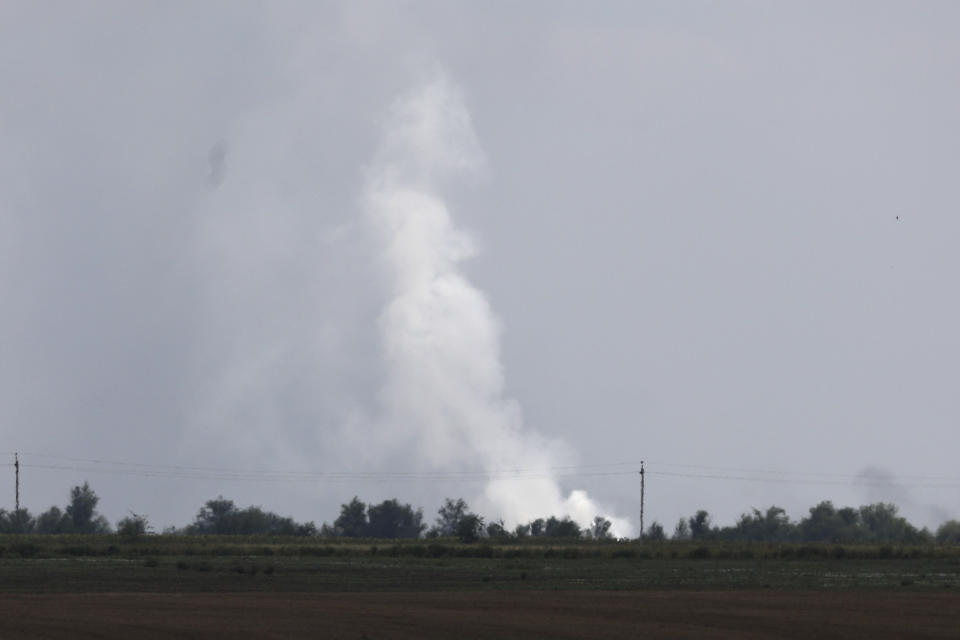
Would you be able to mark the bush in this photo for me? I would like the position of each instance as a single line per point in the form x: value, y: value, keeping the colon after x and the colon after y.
x: 655, y: 532
x: 949, y: 532
x: 133, y: 527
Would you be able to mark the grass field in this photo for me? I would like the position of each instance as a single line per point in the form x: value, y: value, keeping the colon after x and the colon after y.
x: 36, y: 564
x: 168, y: 586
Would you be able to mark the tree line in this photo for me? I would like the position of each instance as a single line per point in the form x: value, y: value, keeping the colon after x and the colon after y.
x: 873, y: 523
x: 78, y: 516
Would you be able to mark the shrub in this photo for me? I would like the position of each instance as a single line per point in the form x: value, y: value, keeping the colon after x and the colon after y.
x: 133, y: 527
x: 949, y: 532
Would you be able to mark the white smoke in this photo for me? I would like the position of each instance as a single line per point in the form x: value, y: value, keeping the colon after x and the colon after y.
x: 445, y: 386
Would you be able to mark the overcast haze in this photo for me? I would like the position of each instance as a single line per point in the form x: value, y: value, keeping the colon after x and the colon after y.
x: 721, y: 235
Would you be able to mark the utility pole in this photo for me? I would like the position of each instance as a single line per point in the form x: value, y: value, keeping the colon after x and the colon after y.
x: 642, y: 474
x: 16, y: 474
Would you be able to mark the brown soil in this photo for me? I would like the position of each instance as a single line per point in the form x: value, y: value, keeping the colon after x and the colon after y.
x: 527, y: 615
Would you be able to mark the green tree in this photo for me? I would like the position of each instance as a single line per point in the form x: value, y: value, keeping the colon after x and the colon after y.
x: 53, y: 520
x: 390, y: 519
x: 17, y: 521
x: 82, y: 511
x: 655, y: 532
x: 133, y: 527
x: 949, y: 532
x: 449, y: 516
x: 222, y: 517
x: 353, y: 519
x: 254, y: 520
x: 682, y: 530
x: 214, y: 517
x: 828, y: 524
x: 469, y: 527
x: 772, y: 525
x: 700, y: 525
x: 497, y: 530
x: 565, y: 528
x: 880, y: 523
x: 538, y: 527
x: 455, y: 520
x: 600, y: 529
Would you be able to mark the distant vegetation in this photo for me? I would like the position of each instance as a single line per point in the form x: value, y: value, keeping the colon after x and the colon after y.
x: 222, y: 517
x: 877, y: 523
x: 872, y: 523
x: 79, y: 516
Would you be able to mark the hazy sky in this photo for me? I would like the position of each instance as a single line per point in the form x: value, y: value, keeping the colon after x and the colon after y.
x: 714, y: 234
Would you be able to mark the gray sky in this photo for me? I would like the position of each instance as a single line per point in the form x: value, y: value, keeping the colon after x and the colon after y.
x: 720, y: 235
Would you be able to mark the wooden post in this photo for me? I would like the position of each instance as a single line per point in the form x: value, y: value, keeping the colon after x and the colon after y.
x: 642, y: 474
x: 16, y: 473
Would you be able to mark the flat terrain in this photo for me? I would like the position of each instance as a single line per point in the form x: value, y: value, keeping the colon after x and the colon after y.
x: 234, y: 587
x: 372, y: 574
x: 526, y: 615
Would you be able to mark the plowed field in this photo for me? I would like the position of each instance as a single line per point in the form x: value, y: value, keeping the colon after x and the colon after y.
x: 490, y: 614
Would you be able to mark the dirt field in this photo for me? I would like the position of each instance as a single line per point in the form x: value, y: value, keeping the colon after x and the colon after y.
x: 526, y: 615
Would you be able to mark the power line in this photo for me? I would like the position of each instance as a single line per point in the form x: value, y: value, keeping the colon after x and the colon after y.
x: 854, y: 480
x: 332, y: 478
x: 485, y: 473
x: 609, y: 469
x: 814, y: 474
x: 552, y: 471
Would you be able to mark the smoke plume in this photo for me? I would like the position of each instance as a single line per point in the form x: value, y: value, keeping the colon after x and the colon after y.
x: 444, y: 392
